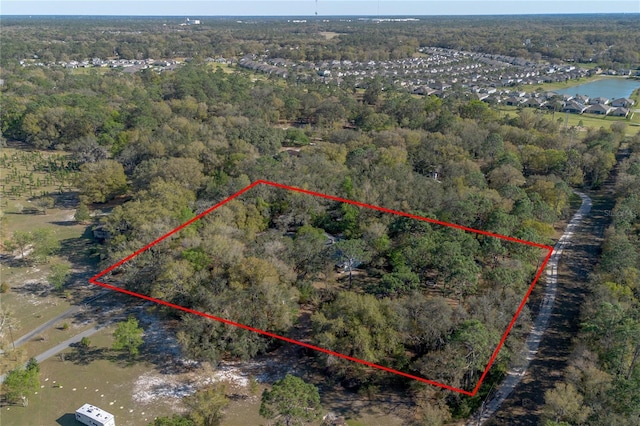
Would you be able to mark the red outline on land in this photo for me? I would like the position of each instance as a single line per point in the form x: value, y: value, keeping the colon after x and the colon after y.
x: 94, y: 280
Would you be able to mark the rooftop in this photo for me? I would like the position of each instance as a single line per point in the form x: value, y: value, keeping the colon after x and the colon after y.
x: 95, y: 413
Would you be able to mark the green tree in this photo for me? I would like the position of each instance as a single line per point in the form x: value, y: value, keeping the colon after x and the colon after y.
x: 296, y: 137
x: 357, y: 325
x: 291, y: 402
x: 564, y: 403
x: 82, y: 213
x: 128, y: 336
x: 59, y: 274
x: 22, y: 381
x: 206, y: 406
x: 174, y: 420
x: 21, y: 241
x: 45, y: 244
x: 102, y: 181
x: 372, y: 92
x: 308, y: 246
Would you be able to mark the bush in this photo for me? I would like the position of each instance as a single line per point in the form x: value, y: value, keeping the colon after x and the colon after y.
x: 295, y: 137
x: 58, y: 276
x: 4, y: 288
x: 82, y: 213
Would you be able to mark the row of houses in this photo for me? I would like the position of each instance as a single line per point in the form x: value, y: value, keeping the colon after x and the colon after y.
x: 618, y: 108
x: 131, y: 65
x: 578, y: 104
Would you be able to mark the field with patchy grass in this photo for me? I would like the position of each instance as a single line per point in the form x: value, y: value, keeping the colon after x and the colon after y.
x: 588, y: 120
x: 137, y: 392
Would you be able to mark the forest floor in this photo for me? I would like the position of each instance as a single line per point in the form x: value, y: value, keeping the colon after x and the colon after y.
x: 524, y: 405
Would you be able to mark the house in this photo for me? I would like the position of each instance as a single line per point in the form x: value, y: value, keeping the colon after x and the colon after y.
x: 439, y: 86
x: 620, y: 112
x: 581, y: 99
x: 513, y: 101
x: 598, y: 100
x: 573, y: 107
x: 424, y: 91
x: 598, y: 109
x: 622, y: 102
x: 534, y: 103
x: 94, y: 416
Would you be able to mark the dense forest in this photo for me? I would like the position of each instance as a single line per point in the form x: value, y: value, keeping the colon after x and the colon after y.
x: 609, y: 41
x: 156, y: 149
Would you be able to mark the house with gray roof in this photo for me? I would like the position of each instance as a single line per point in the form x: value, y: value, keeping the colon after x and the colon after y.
x: 598, y: 109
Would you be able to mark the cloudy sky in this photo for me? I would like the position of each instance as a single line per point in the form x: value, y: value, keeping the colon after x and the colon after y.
x: 200, y: 8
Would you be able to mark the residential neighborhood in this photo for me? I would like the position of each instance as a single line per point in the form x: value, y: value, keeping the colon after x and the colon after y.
x: 434, y: 71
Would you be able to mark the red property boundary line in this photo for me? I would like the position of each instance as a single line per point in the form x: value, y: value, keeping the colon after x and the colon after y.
x: 94, y: 280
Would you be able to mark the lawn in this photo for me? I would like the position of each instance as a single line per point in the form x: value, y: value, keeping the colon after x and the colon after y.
x: 108, y: 384
x: 30, y: 310
x: 588, y: 120
x: 226, y: 68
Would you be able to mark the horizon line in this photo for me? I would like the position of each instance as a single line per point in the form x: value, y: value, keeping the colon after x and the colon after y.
x: 374, y: 16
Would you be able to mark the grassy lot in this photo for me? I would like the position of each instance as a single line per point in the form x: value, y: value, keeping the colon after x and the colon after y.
x: 30, y: 298
x: 90, y: 70
x: 30, y: 311
x: 224, y: 67
x: 101, y: 382
x: 588, y: 120
x: 330, y: 34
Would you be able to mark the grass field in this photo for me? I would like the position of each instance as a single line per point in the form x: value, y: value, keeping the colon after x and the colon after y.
x: 65, y: 386
x: 224, y: 67
x: 588, y: 120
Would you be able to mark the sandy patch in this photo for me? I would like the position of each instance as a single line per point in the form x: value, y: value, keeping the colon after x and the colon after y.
x: 151, y: 387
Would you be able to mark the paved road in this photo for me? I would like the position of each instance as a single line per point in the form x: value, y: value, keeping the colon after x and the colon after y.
x: 45, y: 326
x: 69, y: 312
x: 62, y: 346
x: 542, y: 320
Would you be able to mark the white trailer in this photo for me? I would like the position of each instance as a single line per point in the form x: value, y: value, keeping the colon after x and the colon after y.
x: 91, y: 415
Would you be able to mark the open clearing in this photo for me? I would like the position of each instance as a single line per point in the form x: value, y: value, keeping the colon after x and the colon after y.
x: 138, y: 392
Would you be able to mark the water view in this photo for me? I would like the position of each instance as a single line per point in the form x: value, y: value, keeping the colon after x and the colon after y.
x: 611, y: 88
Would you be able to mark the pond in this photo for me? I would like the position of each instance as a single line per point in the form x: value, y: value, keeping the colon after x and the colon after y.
x: 612, y: 88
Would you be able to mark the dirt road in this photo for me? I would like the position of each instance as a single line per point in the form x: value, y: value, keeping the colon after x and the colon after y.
x: 523, y: 406
x: 515, y: 375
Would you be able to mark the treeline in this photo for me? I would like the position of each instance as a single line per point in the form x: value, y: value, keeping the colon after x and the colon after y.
x: 609, y: 41
x: 602, y: 384
x: 176, y: 143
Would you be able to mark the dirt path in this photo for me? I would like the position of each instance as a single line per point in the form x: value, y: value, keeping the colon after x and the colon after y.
x: 523, y: 406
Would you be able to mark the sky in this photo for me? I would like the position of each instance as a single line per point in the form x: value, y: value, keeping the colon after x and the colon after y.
x: 203, y: 8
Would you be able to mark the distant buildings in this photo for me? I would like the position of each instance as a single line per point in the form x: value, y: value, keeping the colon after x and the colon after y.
x: 188, y: 21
